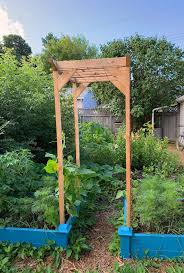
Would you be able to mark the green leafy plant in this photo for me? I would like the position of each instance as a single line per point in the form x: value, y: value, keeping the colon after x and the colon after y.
x: 20, y: 177
x: 148, y: 152
x: 156, y: 205
x: 78, y: 245
x: 75, y: 193
x: 20, y: 252
x: 114, y: 245
x: 175, y: 269
x: 129, y: 268
x: 26, y: 95
x: 96, y: 143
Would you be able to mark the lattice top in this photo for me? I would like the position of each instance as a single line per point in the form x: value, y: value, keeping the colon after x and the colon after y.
x: 92, y: 70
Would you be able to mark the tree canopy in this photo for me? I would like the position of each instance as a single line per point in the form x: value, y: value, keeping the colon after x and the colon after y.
x: 27, y: 103
x: 66, y: 48
x: 157, y: 69
x: 18, y: 45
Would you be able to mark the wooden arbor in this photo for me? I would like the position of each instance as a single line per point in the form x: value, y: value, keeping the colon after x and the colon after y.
x: 81, y: 73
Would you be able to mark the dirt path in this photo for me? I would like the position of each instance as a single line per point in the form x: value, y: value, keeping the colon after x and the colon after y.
x: 172, y: 148
x: 99, y: 238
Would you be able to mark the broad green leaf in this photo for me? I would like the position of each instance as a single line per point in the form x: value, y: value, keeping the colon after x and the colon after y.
x: 119, y: 194
x: 51, y: 167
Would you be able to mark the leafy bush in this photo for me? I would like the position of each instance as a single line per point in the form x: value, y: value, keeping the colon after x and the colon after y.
x: 148, y: 152
x: 27, y: 101
x: 19, y: 179
x: 9, y: 253
x: 96, y: 144
x: 79, y: 183
x: 156, y: 205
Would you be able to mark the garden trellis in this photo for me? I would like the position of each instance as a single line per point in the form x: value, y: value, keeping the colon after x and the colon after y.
x: 82, y: 73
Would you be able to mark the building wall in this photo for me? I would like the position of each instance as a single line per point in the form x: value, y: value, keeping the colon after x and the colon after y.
x: 181, y: 118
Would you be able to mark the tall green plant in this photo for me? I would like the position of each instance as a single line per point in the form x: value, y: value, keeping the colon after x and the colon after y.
x: 20, y: 177
x: 148, y: 152
x: 156, y: 205
x: 96, y: 143
x: 27, y: 100
x: 46, y: 202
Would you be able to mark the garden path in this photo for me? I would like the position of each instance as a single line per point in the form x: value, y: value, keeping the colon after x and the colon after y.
x: 99, y: 238
x: 172, y: 148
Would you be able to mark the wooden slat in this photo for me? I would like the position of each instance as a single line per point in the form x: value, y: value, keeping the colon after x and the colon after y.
x: 84, y: 75
x: 59, y: 147
x: 93, y: 79
x: 93, y: 63
x: 76, y: 92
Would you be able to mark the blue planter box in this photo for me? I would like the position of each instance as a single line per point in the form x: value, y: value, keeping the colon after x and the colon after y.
x: 142, y: 245
x: 38, y: 237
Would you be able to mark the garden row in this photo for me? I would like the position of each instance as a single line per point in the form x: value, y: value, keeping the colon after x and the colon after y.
x: 29, y: 191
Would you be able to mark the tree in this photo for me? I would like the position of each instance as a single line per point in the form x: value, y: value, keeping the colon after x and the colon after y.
x: 66, y: 48
x: 27, y: 102
x: 157, y: 69
x: 17, y: 44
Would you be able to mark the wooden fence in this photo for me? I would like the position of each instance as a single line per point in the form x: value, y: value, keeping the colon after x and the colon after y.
x: 102, y: 117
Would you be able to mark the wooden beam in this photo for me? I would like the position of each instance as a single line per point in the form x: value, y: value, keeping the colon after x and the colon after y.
x: 59, y: 148
x: 120, y: 86
x: 121, y: 74
x: 78, y: 90
x: 76, y: 93
x: 92, y: 79
x: 128, y: 153
x: 53, y: 64
x: 64, y: 78
x: 93, y: 63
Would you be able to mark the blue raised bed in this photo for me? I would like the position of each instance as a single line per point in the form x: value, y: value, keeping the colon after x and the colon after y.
x: 142, y: 245
x: 38, y: 237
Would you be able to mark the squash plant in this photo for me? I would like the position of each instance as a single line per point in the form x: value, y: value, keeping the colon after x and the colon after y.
x: 46, y: 198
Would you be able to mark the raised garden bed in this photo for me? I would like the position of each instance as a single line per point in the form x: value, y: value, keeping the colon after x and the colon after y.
x: 38, y: 237
x: 149, y: 245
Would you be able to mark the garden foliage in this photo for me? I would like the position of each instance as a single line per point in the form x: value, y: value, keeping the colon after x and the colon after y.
x: 156, y: 205
x: 27, y: 103
x: 20, y: 177
x: 156, y: 75
x: 96, y: 144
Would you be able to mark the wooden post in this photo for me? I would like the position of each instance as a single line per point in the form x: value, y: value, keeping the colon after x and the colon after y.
x: 76, y: 93
x: 77, y: 148
x: 128, y: 150
x: 59, y: 148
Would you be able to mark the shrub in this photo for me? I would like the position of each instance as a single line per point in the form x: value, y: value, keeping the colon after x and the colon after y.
x: 156, y: 205
x: 97, y: 144
x: 27, y: 101
x: 19, y: 179
x: 148, y: 152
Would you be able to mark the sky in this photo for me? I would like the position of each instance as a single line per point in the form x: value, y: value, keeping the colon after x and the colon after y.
x: 99, y: 21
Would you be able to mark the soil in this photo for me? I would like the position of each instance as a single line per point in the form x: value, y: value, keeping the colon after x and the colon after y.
x: 99, y: 257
